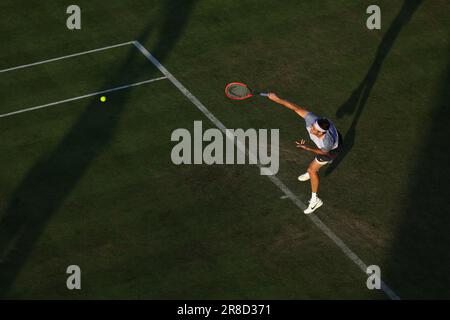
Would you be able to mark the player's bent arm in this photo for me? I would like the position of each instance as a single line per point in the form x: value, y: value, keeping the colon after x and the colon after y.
x: 318, y: 151
x: 300, y: 111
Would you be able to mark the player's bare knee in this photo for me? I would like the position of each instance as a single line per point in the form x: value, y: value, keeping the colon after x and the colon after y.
x: 312, y: 171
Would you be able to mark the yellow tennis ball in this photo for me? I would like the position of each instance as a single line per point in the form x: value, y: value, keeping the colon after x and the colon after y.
x: 103, y: 99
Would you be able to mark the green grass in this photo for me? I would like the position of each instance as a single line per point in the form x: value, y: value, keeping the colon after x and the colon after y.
x: 92, y: 184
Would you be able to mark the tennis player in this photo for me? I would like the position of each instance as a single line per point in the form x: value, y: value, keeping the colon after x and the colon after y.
x: 328, y: 141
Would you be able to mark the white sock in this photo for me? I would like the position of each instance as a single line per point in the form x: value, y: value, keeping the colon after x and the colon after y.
x: 313, y: 196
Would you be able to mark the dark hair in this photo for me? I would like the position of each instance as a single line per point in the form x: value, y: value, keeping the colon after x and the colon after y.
x: 324, y: 124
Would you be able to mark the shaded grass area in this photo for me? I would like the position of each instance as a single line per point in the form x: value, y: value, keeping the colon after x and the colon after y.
x: 144, y: 228
x: 422, y: 238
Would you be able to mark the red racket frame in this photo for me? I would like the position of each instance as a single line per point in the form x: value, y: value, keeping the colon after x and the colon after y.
x: 238, y: 83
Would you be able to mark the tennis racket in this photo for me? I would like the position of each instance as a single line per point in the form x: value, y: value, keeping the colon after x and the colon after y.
x: 240, y: 91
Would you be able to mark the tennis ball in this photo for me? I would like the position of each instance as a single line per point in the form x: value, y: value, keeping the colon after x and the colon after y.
x: 103, y: 99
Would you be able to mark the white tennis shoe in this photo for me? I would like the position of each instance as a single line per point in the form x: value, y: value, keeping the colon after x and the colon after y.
x: 313, y: 206
x: 304, y: 177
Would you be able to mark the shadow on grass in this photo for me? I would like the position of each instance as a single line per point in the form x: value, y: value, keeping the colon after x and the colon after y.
x: 357, y: 101
x: 50, y: 181
x: 419, y: 260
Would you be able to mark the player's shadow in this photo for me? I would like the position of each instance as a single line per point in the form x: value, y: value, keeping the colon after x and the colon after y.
x: 418, y: 263
x: 358, y: 99
x: 53, y: 177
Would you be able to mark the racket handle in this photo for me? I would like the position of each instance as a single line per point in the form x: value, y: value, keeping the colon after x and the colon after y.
x: 263, y: 94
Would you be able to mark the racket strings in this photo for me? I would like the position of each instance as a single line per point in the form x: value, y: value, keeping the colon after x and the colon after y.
x: 238, y: 91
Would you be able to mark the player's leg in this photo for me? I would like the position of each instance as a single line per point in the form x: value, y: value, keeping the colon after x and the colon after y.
x: 314, y: 167
x: 313, y: 172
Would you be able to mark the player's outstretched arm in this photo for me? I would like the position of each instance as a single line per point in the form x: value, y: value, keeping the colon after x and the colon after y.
x: 300, y: 111
x: 301, y: 145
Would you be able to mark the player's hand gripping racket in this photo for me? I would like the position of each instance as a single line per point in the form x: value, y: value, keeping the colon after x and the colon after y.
x: 240, y: 91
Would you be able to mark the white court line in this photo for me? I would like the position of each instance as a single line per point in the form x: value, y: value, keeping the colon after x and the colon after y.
x: 318, y: 222
x: 66, y: 57
x: 81, y: 97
